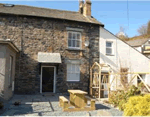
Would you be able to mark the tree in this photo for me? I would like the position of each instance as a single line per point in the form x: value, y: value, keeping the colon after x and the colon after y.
x: 148, y: 28
x: 142, y: 29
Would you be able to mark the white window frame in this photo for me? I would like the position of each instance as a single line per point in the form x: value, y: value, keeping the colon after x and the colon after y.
x: 73, y: 72
x: 10, y: 70
x: 73, y: 32
x: 109, y: 48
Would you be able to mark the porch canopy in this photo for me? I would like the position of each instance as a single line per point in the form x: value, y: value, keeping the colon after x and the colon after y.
x: 44, y: 57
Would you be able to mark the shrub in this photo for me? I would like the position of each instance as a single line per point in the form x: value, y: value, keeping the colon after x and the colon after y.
x: 121, y: 97
x: 117, y: 97
x: 138, y: 106
x: 122, y: 104
x: 142, y: 87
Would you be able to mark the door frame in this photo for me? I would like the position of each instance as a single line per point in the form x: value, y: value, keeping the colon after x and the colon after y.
x: 54, y: 83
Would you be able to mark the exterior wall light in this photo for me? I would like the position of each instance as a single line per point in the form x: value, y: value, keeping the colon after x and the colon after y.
x: 86, y: 43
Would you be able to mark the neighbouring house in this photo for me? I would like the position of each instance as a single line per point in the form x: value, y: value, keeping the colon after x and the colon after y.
x: 53, y: 55
x: 141, y: 43
x: 8, y: 53
x: 118, y: 54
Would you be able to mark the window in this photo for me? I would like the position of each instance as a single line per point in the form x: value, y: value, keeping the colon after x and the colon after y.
x: 142, y: 76
x: 10, y: 70
x: 109, y: 48
x: 73, y: 72
x: 74, y: 40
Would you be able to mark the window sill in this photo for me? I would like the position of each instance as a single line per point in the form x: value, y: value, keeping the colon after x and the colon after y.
x: 110, y: 55
x: 74, y: 49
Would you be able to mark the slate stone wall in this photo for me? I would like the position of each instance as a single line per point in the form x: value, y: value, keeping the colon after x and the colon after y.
x: 34, y: 34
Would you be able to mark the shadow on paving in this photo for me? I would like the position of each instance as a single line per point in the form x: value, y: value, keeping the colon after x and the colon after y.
x: 100, y: 106
x: 39, y: 105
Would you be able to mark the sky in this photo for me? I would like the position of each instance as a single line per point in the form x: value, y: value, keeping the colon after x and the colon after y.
x: 113, y: 14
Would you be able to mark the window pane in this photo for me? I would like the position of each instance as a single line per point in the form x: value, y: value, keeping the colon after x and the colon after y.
x: 69, y: 43
x: 74, y: 36
x: 10, y: 70
x: 77, y: 43
x: 69, y: 76
x: 73, y: 43
x: 73, y: 68
x: 69, y: 68
x: 69, y: 35
x: 77, y: 77
x: 78, y: 36
x: 108, y: 44
x: 77, y: 68
x: 108, y: 51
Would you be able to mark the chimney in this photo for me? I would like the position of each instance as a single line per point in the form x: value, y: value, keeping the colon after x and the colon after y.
x: 87, y: 8
x: 81, y: 5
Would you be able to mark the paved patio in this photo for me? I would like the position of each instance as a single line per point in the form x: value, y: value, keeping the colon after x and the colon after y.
x: 38, y: 105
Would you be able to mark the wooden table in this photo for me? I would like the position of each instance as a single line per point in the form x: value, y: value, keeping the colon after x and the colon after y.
x: 78, y: 101
x: 77, y: 98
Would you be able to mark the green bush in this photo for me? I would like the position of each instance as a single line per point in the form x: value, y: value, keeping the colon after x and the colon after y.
x: 116, y: 98
x: 120, y: 98
x: 122, y: 104
x: 138, y: 106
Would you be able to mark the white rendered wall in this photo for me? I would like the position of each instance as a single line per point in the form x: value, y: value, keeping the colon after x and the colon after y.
x: 138, y: 48
x: 123, y: 55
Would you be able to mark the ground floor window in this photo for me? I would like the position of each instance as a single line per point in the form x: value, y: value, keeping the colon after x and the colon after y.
x: 10, y: 70
x: 142, y: 76
x: 73, y: 71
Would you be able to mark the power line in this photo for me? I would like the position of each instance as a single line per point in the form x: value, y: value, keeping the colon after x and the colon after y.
x: 128, y: 12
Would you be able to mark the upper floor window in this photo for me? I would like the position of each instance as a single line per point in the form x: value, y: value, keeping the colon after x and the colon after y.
x: 74, y: 40
x: 109, y: 48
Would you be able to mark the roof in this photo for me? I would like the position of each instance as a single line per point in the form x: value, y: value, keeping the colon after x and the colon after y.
x: 10, y: 43
x: 137, y: 42
x: 47, y: 13
x: 44, y: 57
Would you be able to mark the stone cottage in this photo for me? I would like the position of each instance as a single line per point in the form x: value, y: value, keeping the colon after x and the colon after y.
x: 54, y: 54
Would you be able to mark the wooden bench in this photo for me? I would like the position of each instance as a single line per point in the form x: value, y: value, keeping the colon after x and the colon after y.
x: 92, y: 102
x: 63, y: 102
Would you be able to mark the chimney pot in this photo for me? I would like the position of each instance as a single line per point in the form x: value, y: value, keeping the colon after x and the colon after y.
x: 81, y: 5
x: 87, y: 8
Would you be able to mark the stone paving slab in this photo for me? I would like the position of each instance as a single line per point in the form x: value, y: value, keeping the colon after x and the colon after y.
x: 38, y: 105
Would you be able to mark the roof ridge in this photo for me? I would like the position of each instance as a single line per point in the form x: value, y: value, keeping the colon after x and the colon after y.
x: 26, y: 10
x: 41, y: 7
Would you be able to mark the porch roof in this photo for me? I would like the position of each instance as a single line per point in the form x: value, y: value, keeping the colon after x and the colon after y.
x: 44, y: 57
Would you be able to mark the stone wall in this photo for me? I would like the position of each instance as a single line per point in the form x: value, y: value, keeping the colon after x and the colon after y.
x: 33, y: 34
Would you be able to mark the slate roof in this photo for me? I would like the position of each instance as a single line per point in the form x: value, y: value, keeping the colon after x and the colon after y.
x: 137, y: 42
x: 48, y: 13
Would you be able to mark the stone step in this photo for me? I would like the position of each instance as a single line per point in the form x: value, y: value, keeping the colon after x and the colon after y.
x: 48, y: 94
x: 103, y: 113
